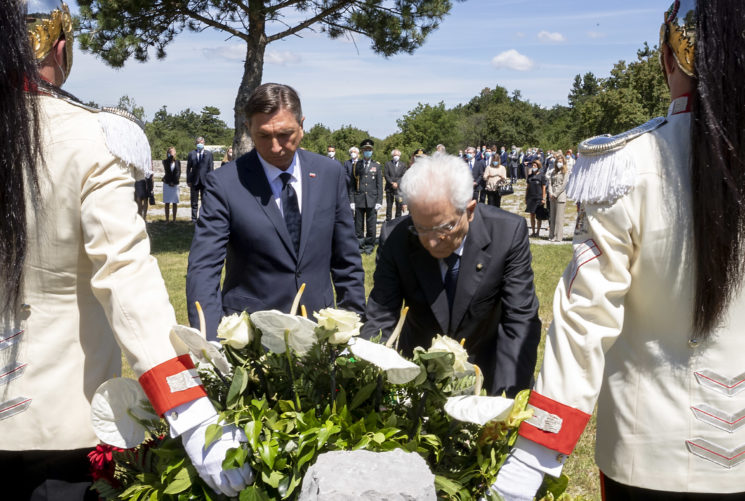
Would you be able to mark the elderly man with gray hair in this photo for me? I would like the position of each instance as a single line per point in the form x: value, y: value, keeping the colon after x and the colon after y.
x: 464, y: 270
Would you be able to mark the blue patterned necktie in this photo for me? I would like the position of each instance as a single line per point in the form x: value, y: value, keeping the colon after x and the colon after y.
x: 451, y: 277
x: 290, y: 209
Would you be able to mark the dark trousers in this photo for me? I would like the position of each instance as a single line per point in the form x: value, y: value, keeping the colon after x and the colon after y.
x: 513, y: 173
x: 196, y: 195
x: 54, y: 475
x: 390, y: 197
x: 482, y: 196
x: 493, y: 198
x: 615, y: 491
x: 365, y: 219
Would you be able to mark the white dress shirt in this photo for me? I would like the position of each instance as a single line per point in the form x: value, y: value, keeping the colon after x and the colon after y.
x: 272, y: 174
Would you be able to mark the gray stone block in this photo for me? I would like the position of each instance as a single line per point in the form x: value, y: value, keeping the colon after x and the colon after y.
x: 369, y: 476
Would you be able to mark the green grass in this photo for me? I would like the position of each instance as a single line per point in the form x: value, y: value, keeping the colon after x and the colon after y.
x: 170, y: 245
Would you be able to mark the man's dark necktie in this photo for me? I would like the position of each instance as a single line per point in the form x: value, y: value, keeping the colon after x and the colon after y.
x: 451, y: 277
x: 291, y: 210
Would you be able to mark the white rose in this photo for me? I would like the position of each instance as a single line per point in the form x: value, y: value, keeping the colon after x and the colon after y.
x: 346, y: 324
x: 235, y: 330
x: 448, y: 344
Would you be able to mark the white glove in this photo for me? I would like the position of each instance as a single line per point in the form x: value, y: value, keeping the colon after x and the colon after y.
x: 377, y: 207
x: 516, y: 481
x: 352, y: 205
x: 209, y: 463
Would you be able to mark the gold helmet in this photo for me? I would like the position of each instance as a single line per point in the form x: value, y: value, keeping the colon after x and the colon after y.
x: 47, y: 21
x: 679, y: 32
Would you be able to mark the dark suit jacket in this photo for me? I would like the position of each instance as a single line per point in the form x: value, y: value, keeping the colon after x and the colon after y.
x: 495, y: 308
x: 196, y: 172
x: 171, y: 176
x: 477, y: 172
x: 393, y: 174
x: 369, y: 191
x: 348, y: 167
x: 241, y: 225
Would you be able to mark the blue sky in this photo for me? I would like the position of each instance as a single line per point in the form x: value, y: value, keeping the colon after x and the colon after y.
x: 535, y: 46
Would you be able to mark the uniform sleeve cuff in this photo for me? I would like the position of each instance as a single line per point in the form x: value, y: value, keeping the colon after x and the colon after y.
x: 539, y: 457
x: 190, y: 415
x: 554, y: 425
x: 172, y: 383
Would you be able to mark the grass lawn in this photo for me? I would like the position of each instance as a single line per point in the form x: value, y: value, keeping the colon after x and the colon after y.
x: 171, y: 242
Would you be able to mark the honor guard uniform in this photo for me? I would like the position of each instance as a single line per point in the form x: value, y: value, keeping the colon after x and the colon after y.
x: 90, y: 285
x: 670, y: 407
x: 366, y: 193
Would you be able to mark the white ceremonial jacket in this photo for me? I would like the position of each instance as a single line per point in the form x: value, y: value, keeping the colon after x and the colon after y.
x: 670, y: 409
x: 90, y: 286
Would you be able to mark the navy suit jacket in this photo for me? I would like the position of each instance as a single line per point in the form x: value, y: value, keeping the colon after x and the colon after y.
x: 196, y: 171
x: 241, y: 226
x: 495, y: 308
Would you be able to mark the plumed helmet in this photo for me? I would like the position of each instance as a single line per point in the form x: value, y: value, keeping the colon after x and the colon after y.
x: 47, y: 21
x: 679, y: 32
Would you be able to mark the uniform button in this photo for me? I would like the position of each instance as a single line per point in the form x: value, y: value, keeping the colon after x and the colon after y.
x: 297, y: 274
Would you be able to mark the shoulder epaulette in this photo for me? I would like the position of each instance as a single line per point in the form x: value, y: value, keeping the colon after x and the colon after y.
x: 126, y: 139
x: 605, y: 170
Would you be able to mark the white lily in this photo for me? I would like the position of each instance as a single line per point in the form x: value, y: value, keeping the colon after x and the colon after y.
x: 273, y: 324
x: 114, y: 407
x: 204, y: 351
x: 397, y: 369
x: 478, y: 409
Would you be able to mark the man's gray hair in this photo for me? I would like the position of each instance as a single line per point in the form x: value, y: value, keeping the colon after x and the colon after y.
x: 438, y: 177
x: 354, y: 149
x: 470, y: 148
x: 271, y: 97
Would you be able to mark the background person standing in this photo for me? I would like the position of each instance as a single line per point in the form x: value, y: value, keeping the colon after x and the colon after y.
x: 198, y: 165
x: 172, y: 169
x: 366, y: 195
x: 394, y: 170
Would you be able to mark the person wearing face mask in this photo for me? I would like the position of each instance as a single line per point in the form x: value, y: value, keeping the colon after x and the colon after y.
x: 394, y: 170
x: 486, y: 156
x: 172, y: 174
x: 494, y: 177
x: 557, y: 182
x: 535, y: 195
x: 354, y: 156
x: 198, y: 165
x: 228, y: 157
x: 477, y: 170
x: 366, y: 194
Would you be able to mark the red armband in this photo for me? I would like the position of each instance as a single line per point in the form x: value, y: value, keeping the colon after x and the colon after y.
x: 553, y: 425
x: 172, y: 383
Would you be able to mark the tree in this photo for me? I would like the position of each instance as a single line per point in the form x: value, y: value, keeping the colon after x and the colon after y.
x: 426, y: 126
x: 583, y: 88
x: 129, y: 104
x: 119, y: 30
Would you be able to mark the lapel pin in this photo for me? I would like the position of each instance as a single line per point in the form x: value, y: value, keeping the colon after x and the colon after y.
x: 479, y: 266
x: 312, y: 174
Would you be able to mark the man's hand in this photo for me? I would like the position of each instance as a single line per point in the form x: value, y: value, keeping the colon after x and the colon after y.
x: 208, y: 462
x: 352, y: 205
x: 516, y: 481
x: 395, y: 186
x: 377, y: 207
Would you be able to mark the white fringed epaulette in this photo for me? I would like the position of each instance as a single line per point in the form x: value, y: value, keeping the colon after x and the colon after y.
x: 605, y: 171
x: 126, y: 140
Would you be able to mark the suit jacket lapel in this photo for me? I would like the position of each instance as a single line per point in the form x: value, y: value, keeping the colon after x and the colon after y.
x: 472, y: 266
x: 427, y: 270
x: 258, y: 185
x: 309, y: 200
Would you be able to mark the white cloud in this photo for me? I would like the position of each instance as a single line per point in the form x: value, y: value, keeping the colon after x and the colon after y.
x: 233, y: 52
x: 282, y: 58
x: 546, y: 36
x: 513, y: 60
x: 596, y: 34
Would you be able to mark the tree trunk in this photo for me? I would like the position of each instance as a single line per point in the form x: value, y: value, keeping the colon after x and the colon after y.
x: 252, y: 73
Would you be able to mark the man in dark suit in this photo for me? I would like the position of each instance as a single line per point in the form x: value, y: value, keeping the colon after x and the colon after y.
x: 278, y: 217
x: 198, y: 165
x: 394, y: 170
x: 477, y: 170
x: 354, y: 154
x: 464, y: 269
x: 366, y: 194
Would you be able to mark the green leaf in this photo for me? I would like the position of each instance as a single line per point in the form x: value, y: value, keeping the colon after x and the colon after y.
x: 214, y: 432
x: 554, y: 486
x: 253, y: 431
x: 447, y: 485
x: 273, y: 479
x: 268, y: 452
x: 306, y: 457
x: 362, y: 395
x: 378, y: 438
x: 180, y: 482
x: 363, y: 443
x: 238, y: 386
x: 254, y: 493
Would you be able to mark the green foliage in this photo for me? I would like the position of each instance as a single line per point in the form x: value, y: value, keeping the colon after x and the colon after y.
x: 181, y: 130
x: 425, y: 126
